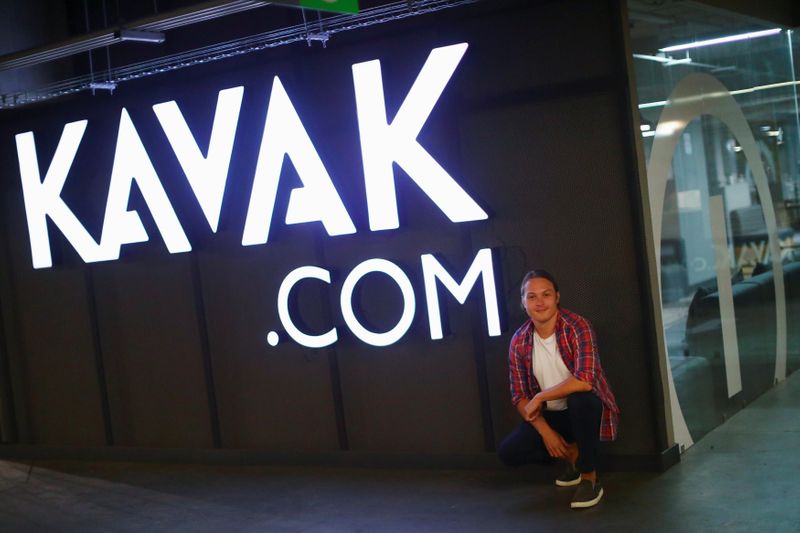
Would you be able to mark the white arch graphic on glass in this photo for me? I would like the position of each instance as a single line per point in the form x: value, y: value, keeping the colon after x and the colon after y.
x: 694, y: 96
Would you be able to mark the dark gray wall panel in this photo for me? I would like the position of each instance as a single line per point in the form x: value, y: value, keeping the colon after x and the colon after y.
x: 418, y: 394
x: 557, y: 43
x: 52, y: 357
x: 153, y: 360
x: 276, y: 398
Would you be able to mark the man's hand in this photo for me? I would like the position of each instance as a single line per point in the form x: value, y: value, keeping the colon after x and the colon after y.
x: 553, y: 441
x: 533, y: 409
x: 555, y: 444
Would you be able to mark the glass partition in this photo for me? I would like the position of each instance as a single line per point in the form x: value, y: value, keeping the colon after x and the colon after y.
x: 720, y: 124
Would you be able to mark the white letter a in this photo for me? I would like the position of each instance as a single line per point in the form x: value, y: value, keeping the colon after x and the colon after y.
x: 121, y: 226
x: 316, y: 201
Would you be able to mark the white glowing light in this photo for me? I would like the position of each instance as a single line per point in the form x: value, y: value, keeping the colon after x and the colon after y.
x: 666, y: 60
x: 383, y: 144
x: 659, y: 59
x: 682, y: 61
x: 721, y: 40
x: 43, y: 198
x: 648, y: 105
x: 748, y: 90
x: 311, y: 341
x: 481, y: 266
x: 409, y: 302
x: 665, y: 129
x: 316, y: 201
x: 272, y: 338
x: 120, y: 226
x: 206, y: 174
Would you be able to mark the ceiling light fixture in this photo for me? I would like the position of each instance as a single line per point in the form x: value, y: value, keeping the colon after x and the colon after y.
x: 778, y: 85
x: 659, y: 59
x: 102, y: 85
x: 139, y: 36
x: 665, y: 60
x: 721, y: 40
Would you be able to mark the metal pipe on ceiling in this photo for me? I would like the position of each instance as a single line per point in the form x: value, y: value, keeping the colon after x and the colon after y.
x: 236, y: 47
x: 106, y: 37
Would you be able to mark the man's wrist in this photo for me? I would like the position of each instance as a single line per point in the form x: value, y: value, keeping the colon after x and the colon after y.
x: 520, y: 405
x: 541, y: 425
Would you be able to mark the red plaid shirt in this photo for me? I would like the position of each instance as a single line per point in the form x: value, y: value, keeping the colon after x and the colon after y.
x: 578, y: 347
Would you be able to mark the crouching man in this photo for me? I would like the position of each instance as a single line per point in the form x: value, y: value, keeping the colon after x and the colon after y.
x: 560, y: 391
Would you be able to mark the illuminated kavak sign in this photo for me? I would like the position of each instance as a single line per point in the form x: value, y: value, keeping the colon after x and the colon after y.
x: 317, y: 200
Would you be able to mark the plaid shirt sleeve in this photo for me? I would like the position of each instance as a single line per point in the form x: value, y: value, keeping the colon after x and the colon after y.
x: 578, y: 346
x: 586, y: 358
x: 519, y: 377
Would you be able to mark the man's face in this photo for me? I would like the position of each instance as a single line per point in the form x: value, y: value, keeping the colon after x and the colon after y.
x: 540, y: 300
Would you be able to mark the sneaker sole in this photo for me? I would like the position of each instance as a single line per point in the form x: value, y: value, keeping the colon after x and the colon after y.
x: 590, y: 503
x: 570, y: 483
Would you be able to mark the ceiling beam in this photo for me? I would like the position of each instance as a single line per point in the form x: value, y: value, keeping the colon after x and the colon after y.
x: 158, y: 23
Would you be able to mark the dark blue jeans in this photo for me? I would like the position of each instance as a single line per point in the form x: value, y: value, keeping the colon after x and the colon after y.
x: 579, y: 423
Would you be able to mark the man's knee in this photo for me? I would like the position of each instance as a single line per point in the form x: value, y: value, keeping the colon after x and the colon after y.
x: 584, y: 401
x: 509, y: 454
x: 506, y: 456
x: 517, y: 447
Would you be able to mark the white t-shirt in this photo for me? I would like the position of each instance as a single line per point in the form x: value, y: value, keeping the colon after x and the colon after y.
x: 548, y: 367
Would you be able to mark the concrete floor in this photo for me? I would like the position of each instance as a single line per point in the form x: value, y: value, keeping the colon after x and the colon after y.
x: 740, y: 477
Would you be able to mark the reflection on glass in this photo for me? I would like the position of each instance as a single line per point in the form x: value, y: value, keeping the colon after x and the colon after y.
x: 715, y: 253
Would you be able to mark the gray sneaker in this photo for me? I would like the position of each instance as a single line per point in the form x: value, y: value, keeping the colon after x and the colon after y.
x: 587, y: 495
x: 569, y: 477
